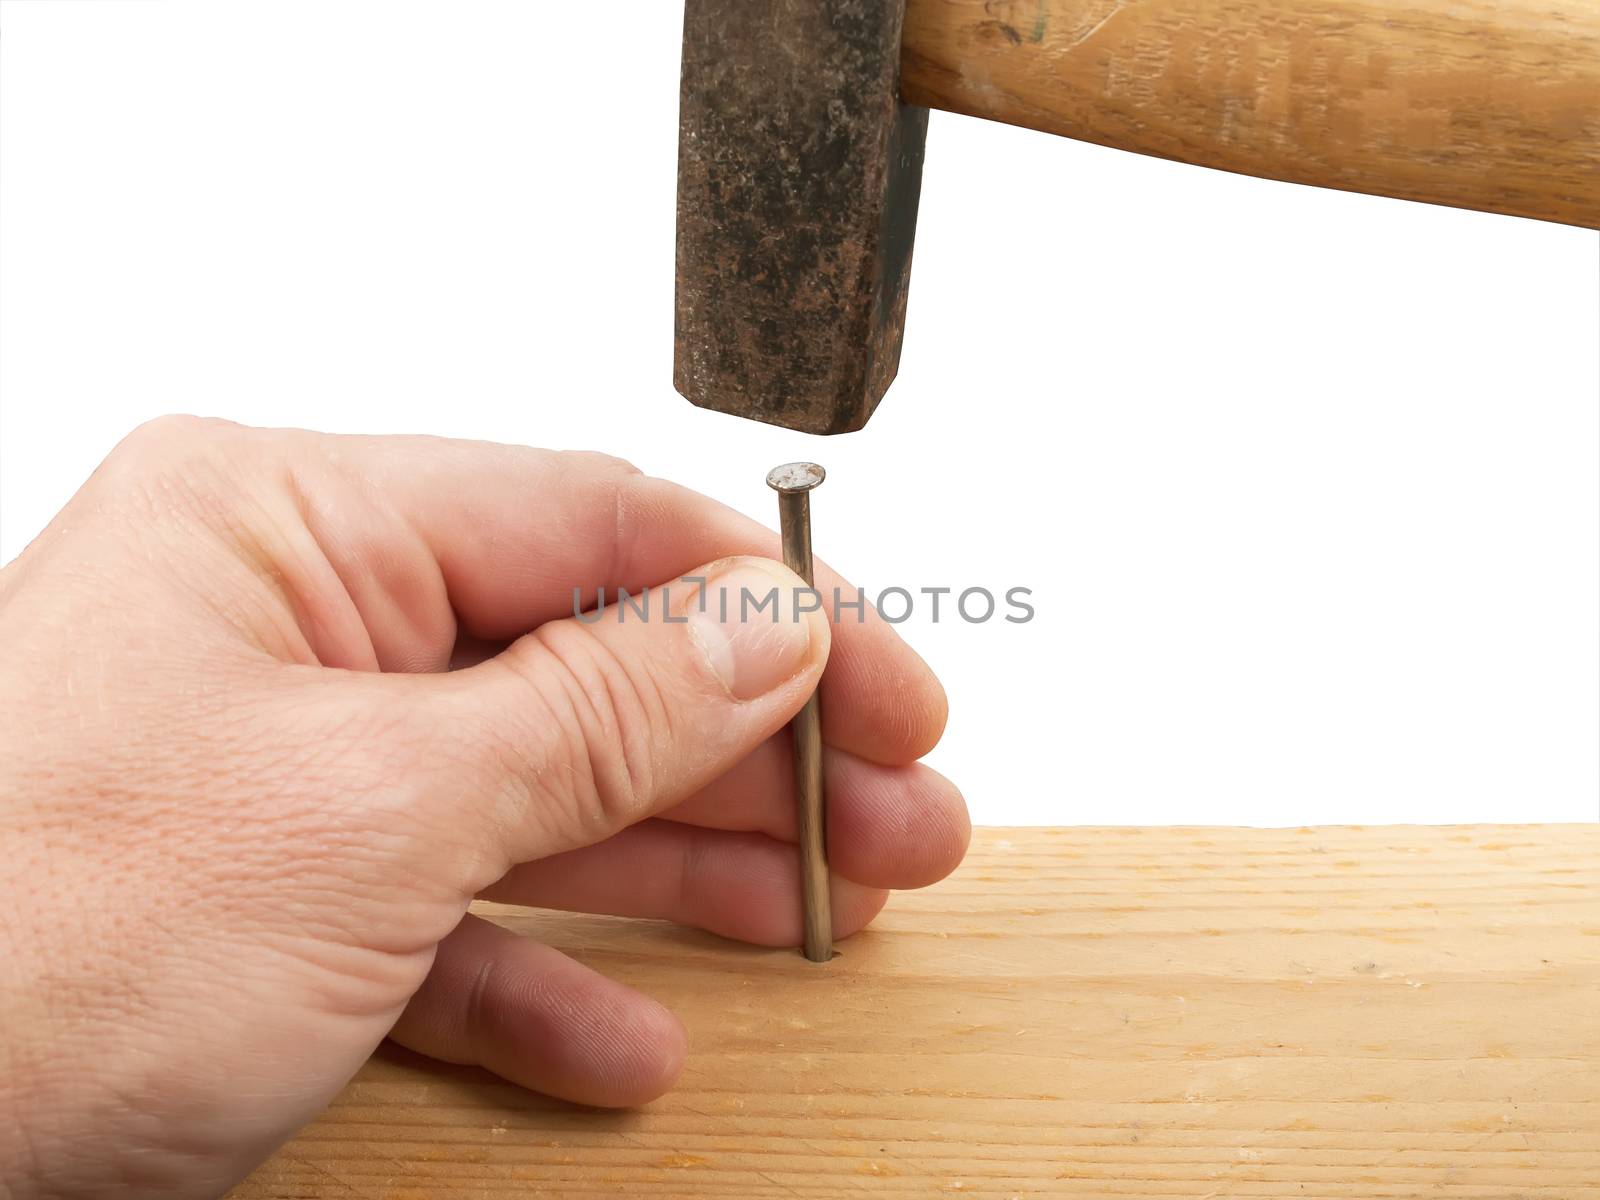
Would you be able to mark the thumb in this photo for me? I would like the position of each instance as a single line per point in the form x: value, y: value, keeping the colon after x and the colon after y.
x: 592, y: 723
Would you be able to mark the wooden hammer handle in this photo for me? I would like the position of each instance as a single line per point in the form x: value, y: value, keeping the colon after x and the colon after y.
x: 1486, y: 104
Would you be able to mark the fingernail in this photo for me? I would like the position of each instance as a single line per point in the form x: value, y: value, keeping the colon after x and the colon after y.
x: 750, y: 629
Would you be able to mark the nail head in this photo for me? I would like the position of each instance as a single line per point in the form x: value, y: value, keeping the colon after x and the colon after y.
x: 795, y: 477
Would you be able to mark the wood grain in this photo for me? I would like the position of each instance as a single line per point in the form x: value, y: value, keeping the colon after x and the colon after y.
x: 1486, y: 104
x: 1321, y: 1013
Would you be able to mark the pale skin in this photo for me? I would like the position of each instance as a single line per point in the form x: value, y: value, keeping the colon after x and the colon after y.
x: 276, y: 706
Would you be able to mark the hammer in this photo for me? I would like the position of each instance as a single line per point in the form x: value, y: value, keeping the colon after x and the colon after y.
x: 802, y: 125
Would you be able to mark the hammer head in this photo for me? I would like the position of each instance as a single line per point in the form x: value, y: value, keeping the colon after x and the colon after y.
x: 798, y: 177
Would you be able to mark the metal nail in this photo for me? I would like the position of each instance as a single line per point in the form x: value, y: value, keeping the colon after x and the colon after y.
x: 793, y: 483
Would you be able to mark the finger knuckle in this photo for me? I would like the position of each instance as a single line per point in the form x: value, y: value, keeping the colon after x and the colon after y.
x: 168, y: 462
x: 604, y: 721
x: 165, y: 440
x: 619, y: 503
x: 593, y: 462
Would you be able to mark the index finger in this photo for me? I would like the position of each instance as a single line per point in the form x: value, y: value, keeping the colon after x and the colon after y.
x: 513, y: 531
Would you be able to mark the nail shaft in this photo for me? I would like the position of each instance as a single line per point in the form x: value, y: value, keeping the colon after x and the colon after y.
x: 793, y: 484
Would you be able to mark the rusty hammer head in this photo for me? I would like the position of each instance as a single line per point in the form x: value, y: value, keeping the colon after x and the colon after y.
x: 798, y: 176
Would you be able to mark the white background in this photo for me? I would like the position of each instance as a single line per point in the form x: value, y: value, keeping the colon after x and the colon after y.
x: 1305, y: 484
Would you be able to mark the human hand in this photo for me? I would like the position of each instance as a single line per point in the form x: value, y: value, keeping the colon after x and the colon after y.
x: 244, y: 803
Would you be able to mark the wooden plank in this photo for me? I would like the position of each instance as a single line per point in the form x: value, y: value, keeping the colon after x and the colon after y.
x: 1490, y: 104
x: 1111, y: 1013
